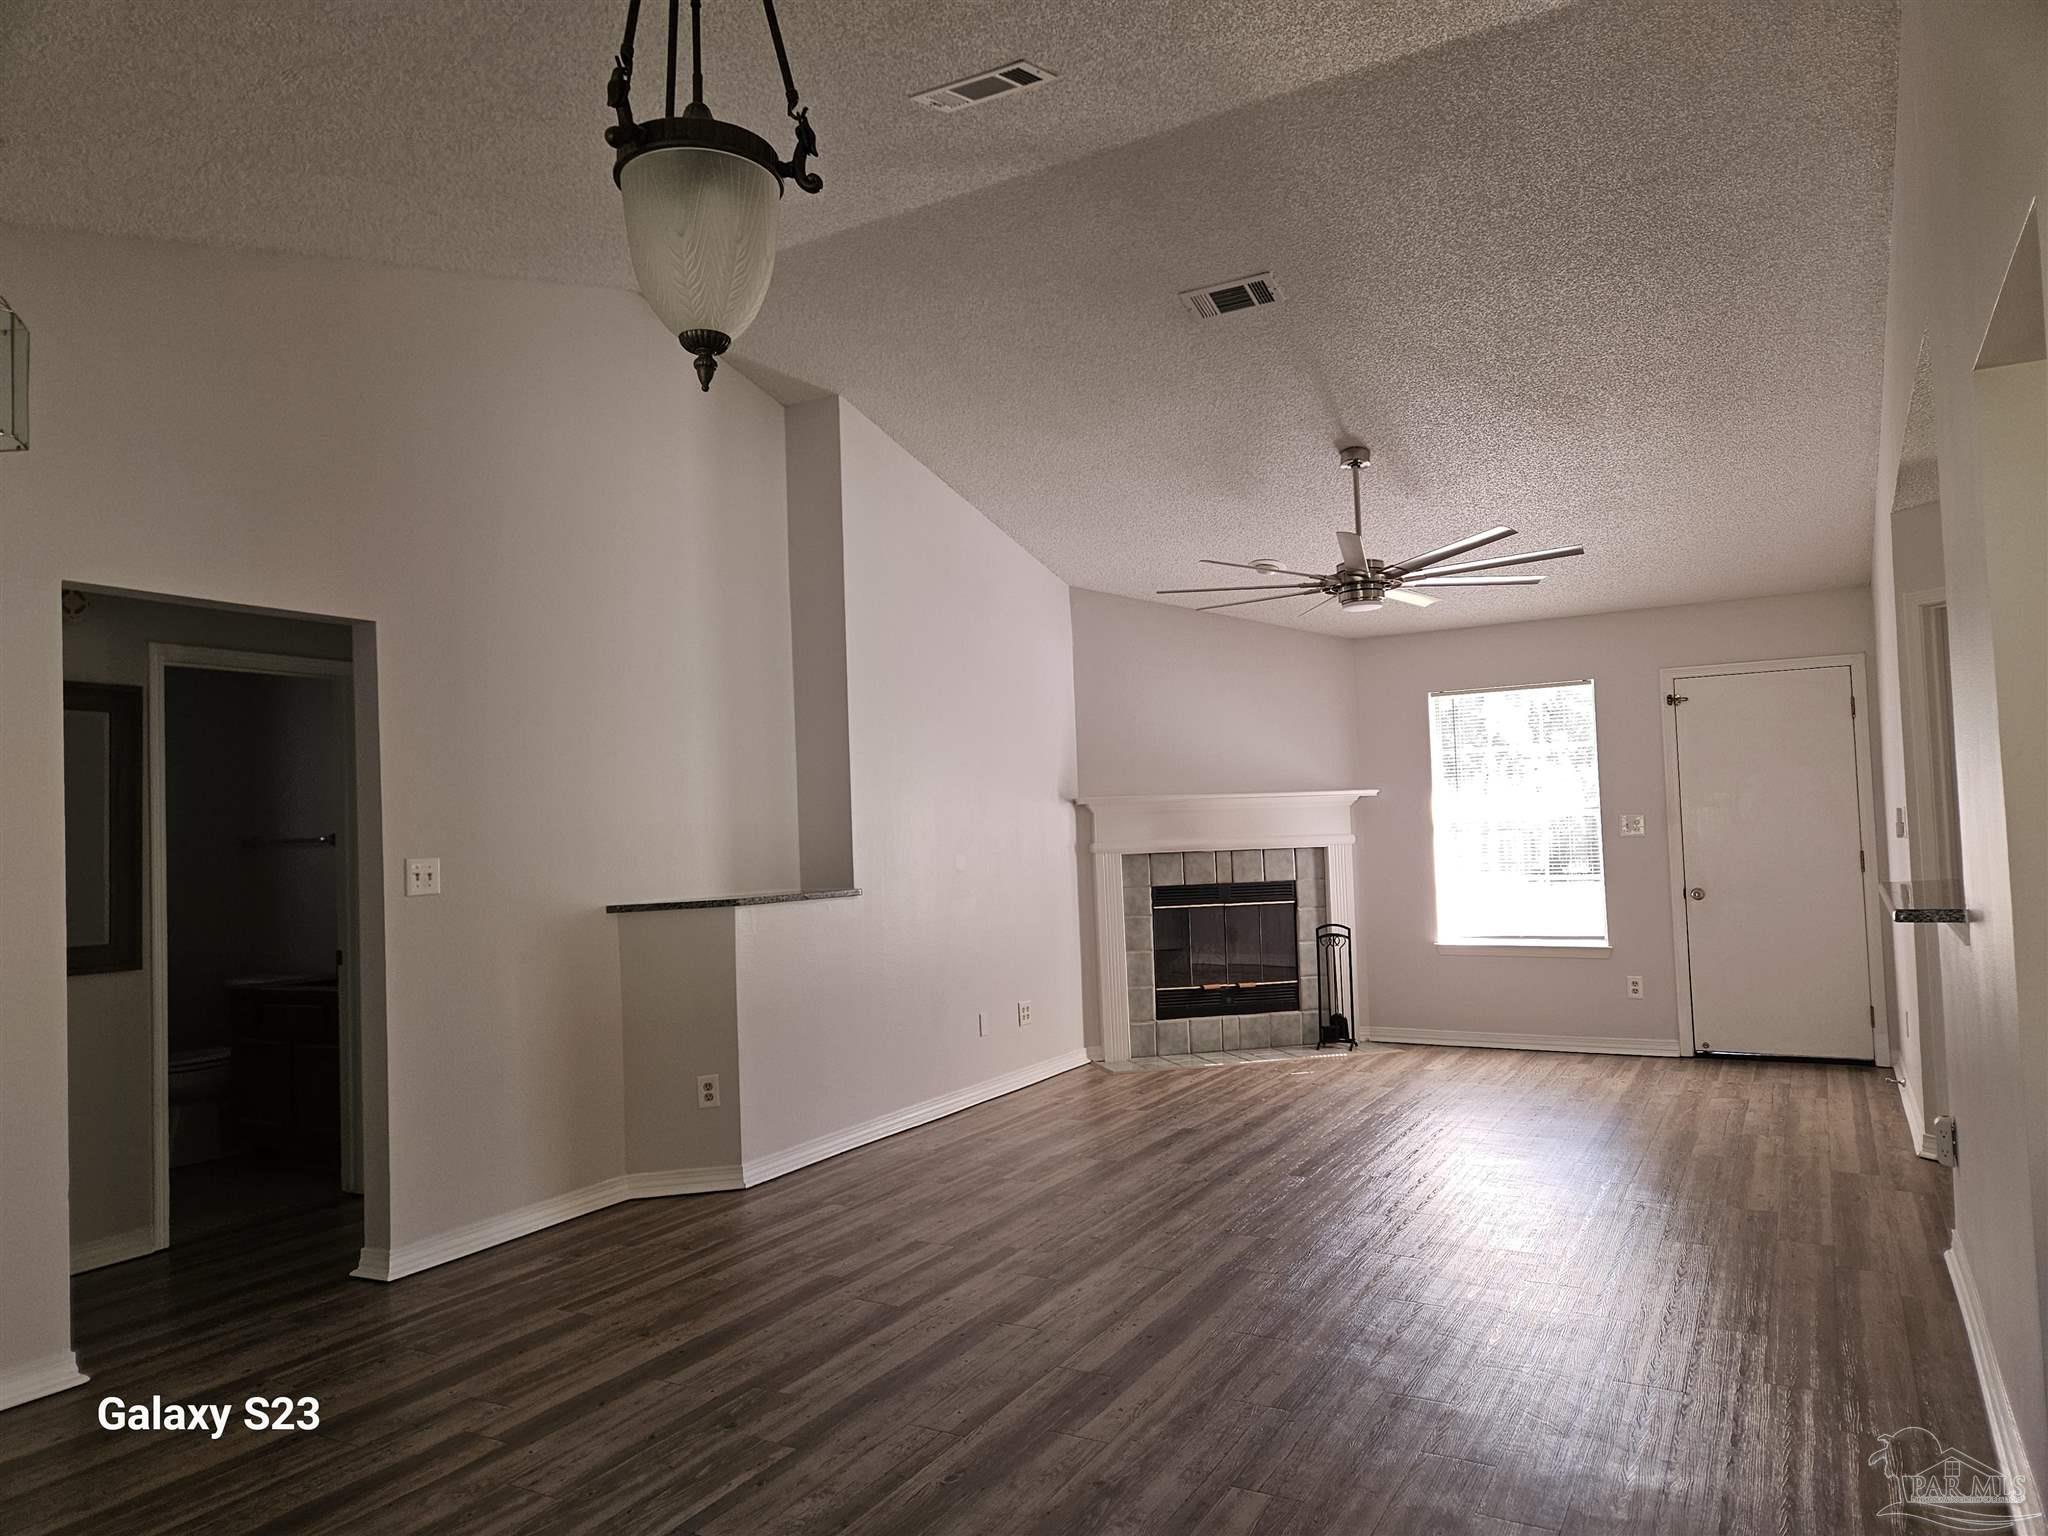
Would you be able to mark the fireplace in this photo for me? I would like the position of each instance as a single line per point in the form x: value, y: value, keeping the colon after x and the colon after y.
x: 1220, y: 948
x: 1226, y: 949
x: 1141, y: 843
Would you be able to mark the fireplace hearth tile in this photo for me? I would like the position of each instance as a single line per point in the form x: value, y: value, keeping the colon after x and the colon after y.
x: 1138, y: 932
x: 1198, y: 868
x: 1141, y: 1005
x: 1144, y: 1040
x: 1138, y: 967
x: 1166, y: 869
x: 1230, y: 1036
x: 1205, y: 1035
x: 1279, y: 864
x: 1137, y: 901
x: 1254, y: 1031
x: 1137, y: 869
x: 1247, y: 864
x: 1172, y: 1035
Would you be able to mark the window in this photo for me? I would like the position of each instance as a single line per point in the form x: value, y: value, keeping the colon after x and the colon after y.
x: 1515, y: 797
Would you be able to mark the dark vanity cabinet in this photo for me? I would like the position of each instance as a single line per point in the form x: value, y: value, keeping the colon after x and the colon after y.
x: 287, y: 1067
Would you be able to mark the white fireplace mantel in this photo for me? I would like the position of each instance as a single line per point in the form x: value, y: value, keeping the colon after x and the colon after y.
x: 1192, y: 823
x: 1314, y: 818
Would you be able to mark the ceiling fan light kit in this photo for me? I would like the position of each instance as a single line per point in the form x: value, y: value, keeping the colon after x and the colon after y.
x: 701, y: 196
x: 1361, y: 584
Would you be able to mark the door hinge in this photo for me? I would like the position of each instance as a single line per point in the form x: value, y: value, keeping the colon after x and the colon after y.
x: 1674, y: 699
x: 1861, y: 862
x: 1852, y: 706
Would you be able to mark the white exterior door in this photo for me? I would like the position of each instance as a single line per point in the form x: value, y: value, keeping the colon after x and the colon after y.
x: 1771, y: 834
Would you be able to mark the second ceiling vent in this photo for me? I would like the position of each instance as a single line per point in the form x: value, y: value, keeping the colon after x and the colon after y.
x: 976, y: 89
x: 1213, y: 299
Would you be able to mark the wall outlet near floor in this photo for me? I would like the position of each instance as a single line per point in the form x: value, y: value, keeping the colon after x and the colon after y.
x: 981, y: 1025
x: 422, y: 877
x: 1631, y: 824
x: 1635, y: 986
x: 1023, y: 1015
x: 707, y: 1091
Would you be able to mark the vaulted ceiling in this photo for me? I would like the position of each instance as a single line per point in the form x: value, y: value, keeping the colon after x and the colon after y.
x: 1608, y: 271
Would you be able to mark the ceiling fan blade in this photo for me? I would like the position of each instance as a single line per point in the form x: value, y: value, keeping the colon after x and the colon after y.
x: 1292, y: 586
x: 1246, y: 601
x: 1354, y: 551
x: 1412, y: 599
x: 1468, y: 581
x: 1312, y: 607
x: 1560, y: 553
x: 1265, y: 570
x: 1477, y: 541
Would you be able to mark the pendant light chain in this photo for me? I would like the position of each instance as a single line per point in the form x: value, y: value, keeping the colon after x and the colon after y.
x: 696, y: 54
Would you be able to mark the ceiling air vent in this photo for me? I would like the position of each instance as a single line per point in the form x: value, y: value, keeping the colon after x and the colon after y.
x: 1007, y: 81
x: 1239, y: 293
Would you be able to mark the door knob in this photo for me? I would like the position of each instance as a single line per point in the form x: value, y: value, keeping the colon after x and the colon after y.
x: 1698, y: 893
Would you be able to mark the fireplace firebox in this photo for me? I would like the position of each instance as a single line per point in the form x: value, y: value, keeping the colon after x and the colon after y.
x: 1225, y: 949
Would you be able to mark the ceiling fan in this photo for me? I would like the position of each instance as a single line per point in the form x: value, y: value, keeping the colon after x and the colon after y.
x: 1360, y: 584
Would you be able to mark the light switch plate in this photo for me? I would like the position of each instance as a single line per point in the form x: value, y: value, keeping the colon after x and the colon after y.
x: 422, y: 877
x: 1631, y: 825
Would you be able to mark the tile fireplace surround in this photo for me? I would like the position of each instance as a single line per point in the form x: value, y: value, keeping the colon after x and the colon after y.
x: 1309, y: 837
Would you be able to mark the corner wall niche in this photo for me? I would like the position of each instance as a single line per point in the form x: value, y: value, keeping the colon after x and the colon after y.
x: 1241, y: 861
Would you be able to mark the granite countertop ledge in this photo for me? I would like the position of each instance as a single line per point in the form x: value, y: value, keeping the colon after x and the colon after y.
x: 768, y: 899
x: 1924, y: 901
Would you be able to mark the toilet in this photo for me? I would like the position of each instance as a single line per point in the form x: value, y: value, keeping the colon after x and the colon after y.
x: 199, y: 1090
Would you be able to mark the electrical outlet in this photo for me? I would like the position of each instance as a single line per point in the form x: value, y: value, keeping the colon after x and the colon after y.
x: 1631, y: 824
x: 422, y: 877
x: 1023, y: 1015
x: 1635, y: 986
x: 981, y: 1025
x: 707, y: 1091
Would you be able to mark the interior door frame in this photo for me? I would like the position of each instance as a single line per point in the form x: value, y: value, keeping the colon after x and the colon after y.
x: 1668, y: 679
x: 163, y: 656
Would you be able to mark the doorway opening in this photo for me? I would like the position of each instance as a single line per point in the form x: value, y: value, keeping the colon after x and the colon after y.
x: 1923, y: 836
x: 218, y: 1072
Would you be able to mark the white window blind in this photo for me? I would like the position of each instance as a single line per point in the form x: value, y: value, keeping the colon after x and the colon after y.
x: 1515, y: 798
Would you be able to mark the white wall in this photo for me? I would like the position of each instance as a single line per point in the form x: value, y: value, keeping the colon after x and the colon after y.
x: 1169, y: 701
x: 575, y: 565
x: 1971, y: 159
x: 1412, y: 985
x: 960, y: 711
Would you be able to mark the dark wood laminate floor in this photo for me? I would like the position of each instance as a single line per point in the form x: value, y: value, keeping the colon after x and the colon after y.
x: 1429, y: 1291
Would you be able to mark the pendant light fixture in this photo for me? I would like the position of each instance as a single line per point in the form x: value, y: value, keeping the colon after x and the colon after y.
x: 701, y: 197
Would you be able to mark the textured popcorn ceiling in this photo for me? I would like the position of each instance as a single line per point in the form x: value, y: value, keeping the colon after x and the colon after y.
x: 1610, y: 271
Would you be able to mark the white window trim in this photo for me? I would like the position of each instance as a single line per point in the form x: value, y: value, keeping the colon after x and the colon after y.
x: 1505, y: 945
x: 1524, y: 947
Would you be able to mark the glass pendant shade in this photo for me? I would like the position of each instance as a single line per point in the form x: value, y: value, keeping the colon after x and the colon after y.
x: 700, y: 224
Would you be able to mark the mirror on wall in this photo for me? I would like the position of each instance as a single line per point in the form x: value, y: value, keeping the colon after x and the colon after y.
x: 103, y: 827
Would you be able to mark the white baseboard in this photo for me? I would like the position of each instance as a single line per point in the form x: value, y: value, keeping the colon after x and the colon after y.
x: 26, y: 1383
x: 410, y: 1258
x: 684, y: 1181
x: 1599, y: 1045
x: 460, y: 1242
x: 1916, y: 1123
x: 2006, y: 1443
x: 761, y: 1169
x: 117, y: 1249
